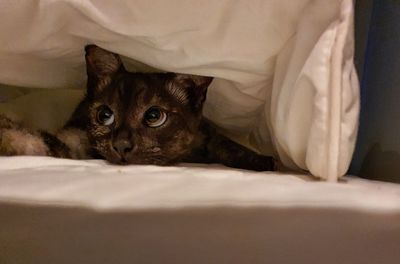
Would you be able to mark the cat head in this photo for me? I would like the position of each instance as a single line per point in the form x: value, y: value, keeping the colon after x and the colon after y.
x: 141, y: 118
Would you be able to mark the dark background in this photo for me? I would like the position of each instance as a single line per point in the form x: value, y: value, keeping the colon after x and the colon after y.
x: 377, y: 154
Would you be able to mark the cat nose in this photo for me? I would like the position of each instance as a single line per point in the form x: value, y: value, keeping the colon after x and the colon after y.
x: 122, y: 146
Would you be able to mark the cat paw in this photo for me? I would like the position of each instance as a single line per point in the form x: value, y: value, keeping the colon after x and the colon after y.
x: 261, y: 163
x: 19, y: 142
x: 6, y: 123
x: 277, y: 165
x: 270, y: 163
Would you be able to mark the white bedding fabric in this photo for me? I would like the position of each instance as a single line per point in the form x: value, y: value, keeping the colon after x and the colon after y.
x: 68, y: 211
x: 281, y: 66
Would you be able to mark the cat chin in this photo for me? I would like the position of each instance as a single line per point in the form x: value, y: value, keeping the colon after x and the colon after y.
x: 148, y: 162
x: 116, y: 160
x: 145, y: 161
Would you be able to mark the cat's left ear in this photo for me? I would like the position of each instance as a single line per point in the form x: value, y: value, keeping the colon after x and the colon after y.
x: 191, y: 89
x: 101, y: 66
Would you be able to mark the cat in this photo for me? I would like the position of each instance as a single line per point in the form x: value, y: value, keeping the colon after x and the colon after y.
x: 135, y: 118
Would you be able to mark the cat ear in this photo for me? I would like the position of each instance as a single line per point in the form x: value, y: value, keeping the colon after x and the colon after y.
x: 190, y: 89
x: 101, y: 66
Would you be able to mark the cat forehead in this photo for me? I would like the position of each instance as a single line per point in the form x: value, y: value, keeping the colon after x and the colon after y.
x: 135, y: 94
x: 138, y: 90
x: 139, y: 83
x: 162, y: 86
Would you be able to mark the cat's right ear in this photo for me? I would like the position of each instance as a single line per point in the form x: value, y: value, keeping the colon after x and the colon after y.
x: 101, y: 67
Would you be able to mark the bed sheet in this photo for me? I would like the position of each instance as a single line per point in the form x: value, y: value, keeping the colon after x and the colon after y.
x: 69, y: 211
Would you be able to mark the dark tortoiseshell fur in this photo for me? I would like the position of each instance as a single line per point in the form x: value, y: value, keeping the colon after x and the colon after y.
x: 186, y: 136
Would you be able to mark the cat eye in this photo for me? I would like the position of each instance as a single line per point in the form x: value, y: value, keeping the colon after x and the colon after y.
x: 155, y: 117
x: 105, y: 115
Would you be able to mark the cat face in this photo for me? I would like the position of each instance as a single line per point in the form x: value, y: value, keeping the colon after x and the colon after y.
x: 141, y: 118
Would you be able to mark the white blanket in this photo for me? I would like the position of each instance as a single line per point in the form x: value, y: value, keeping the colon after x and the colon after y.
x: 285, y: 76
x: 68, y: 211
x: 284, y: 80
